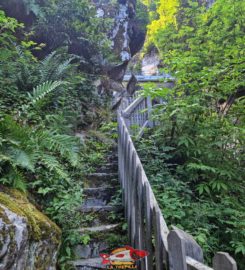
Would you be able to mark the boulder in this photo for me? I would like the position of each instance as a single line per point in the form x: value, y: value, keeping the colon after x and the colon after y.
x: 29, y: 240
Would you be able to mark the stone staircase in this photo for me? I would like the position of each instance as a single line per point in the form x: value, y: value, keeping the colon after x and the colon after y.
x: 104, y: 225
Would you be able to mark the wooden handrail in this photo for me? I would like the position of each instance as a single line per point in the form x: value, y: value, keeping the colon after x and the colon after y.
x: 147, y: 229
x: 196, y: 265
x: 141, y: 208
x: 132, y: 107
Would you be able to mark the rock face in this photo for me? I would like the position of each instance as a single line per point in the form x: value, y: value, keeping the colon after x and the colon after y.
x: 210, y: 3
x: 28, y: 239
x: 150, y: 63
x: 127, y: 36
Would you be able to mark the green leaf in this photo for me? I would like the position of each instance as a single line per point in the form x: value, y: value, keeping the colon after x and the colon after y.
x: 44, y: 89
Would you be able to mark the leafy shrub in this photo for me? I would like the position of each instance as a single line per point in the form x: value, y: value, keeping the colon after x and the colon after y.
x: 44, y: 103
x: 194, y: 157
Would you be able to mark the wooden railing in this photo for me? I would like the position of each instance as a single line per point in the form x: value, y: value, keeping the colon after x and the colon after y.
x: 147, y: 229
x: 145, y: 222
x: 137, y: 114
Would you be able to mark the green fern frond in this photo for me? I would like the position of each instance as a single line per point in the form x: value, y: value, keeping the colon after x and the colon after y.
x: 63, y: 67
x: 48, y: 59
x: 16, y: 146
x: 19, y: 181
x: 46, y: 67
x: 14, y: 133
x: 53, y: 165
x: 15, y: 179
x: 42, y: 90
x: 53, y: 67
x: 18, y: 157
x: 22, y: 159
x: 67, y: 146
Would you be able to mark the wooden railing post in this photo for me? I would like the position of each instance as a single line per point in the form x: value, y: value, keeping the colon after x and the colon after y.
x: 124, y: 140
x: 127, y: 190
x: 130, y: 184
x: 149, y: 110
x: 148, y: 225
x: 181, y: 245
x: 159, y: 249
x: 140, y: 208
x: 223, y: 261
x: 133, y: 224
x: 127, y: 168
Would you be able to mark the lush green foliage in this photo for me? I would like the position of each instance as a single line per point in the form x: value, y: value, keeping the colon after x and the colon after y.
x: 195, y: 156
x: 43, y: 104
x: 63, y: 22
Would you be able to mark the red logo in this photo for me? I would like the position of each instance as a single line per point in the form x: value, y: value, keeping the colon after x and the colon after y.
x: 125, y: 256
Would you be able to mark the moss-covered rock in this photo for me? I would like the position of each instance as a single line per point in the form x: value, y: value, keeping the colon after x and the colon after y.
x: 28, y: 239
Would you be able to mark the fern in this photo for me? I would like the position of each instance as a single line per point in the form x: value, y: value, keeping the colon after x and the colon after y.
x: 22, y: 158
x: 16, y: 147
x: 63, y: 67
x: 19, y: 181
x: 42, y: 90
x: 17, y: 140
x: 45, y: 67
x: 53, y: 67
x: 14, y: 178
x: 23, y: 150
x: 14, y: 133
x: 53, y: 165
x: 65, y: 145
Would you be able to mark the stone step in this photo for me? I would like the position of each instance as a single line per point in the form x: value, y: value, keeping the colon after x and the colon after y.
x: 111, y: 164
x: 113, y: 157
x: 102, y: 228
x: 112, y: 168
x: 95, y: 180
x: 99, y: 208
x: 87, y: 264
x: 101, y: 195
x: 103, y: 175
x: 97, y: 191
x: 91, y: 250
x: 91, y: 202
x: 100, y: 218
